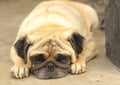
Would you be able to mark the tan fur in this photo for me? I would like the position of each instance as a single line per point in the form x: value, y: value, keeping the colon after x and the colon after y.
x: 50, y: 25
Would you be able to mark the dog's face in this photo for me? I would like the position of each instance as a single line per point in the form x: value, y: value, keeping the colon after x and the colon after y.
x: 50, y: 57
x: 46, y: 68
x: 50, y: 61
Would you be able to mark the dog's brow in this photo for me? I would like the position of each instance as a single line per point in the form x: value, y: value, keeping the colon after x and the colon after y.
x: 63, y: 56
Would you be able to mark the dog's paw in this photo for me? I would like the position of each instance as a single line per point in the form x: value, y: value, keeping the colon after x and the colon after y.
x: 78, y: 67
x: 19, y: 71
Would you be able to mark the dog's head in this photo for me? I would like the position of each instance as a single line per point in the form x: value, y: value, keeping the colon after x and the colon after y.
x: 50, y: 57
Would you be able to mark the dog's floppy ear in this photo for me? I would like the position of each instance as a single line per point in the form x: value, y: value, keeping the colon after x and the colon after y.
x: 76, y: 41
x: 21, y: 46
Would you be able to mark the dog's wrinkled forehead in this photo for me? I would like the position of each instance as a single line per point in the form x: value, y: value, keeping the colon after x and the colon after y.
x: 50, y: 48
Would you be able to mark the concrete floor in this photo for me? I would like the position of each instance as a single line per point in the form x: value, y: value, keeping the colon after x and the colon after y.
x: 100, y: 71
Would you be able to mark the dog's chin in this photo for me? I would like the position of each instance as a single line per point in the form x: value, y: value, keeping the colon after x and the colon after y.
x: 45, y: 74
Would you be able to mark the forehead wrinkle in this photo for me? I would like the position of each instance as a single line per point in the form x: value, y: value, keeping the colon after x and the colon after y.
x: 50, y: 47
x: 53, y: 48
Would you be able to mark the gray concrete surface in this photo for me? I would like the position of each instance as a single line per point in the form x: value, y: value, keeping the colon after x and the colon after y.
x: 100, y: 71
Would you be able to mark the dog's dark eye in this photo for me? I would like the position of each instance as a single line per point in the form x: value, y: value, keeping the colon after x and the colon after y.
x: 36, y: 59
x: 62, y: 58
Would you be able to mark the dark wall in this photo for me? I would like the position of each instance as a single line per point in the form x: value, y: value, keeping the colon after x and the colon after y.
x: 113, y: 31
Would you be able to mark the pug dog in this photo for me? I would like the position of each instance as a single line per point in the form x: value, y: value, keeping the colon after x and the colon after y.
x: 55, y: 39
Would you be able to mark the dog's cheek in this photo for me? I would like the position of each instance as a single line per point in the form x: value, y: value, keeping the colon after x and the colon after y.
x: 62, y: 72
x: 41, y: 73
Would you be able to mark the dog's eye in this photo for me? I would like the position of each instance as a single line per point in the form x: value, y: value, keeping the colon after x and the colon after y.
x: 62, y: 58
x: 36, y: 59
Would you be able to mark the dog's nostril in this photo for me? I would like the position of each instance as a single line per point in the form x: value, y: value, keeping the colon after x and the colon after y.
x: 50, y: 66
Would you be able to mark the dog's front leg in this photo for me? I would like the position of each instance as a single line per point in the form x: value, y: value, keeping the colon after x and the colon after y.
x: 89, y: 51
x: 21, y: 67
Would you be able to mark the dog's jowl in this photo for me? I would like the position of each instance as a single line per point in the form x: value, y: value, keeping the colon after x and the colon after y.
x: 55, y: 39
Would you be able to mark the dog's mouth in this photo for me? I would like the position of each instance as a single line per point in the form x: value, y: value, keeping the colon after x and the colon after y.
x: 50, y: 71
x: 43, y: 74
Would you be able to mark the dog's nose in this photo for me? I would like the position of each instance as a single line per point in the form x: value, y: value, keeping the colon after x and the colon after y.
x: 50, y: 67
